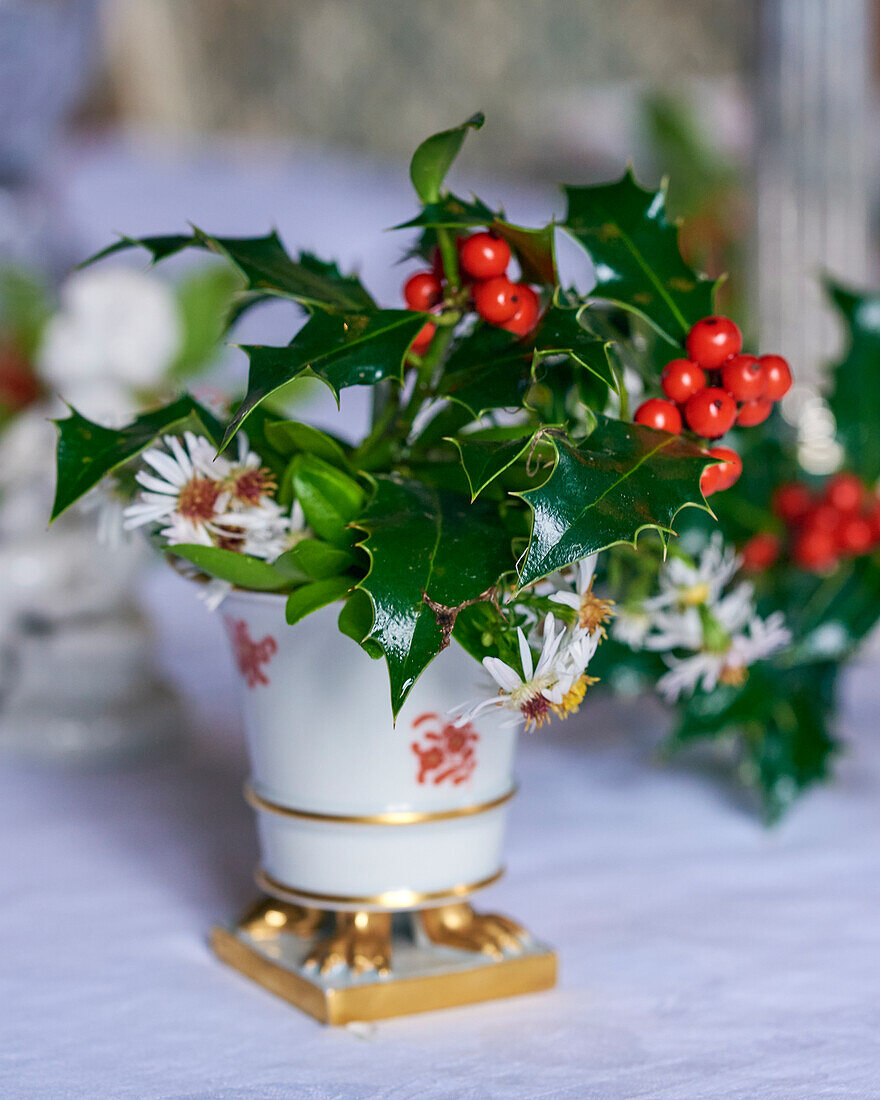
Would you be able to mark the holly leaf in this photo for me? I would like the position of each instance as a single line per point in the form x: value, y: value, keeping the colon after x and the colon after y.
x: 492, y: 369
x: 561, y: 332
x: 266, y: 266
x: 425, y: 542
x: 782, y: 718
x: 854, y: 396
x: 433, y: 158
x: 488, y: 369
x: 87, y: 452
x: 484, y: 460
x: 241, y: 570
x: 622, y: 479
x: 339, y: 349
x: 635, y: 253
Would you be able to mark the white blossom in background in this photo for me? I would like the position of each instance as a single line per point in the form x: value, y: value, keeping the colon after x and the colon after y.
x: 683, y: 584
x: 114, y: 337
x: 630, y: 625
x: 705, y: 635
x: 196, y: 497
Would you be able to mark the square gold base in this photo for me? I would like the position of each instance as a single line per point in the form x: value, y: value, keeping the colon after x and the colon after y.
x: 423, y: 981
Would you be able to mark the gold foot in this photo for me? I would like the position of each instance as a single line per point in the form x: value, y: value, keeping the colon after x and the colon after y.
x: 268, y: 916
x: 460, y: 927
x: 360, y: 941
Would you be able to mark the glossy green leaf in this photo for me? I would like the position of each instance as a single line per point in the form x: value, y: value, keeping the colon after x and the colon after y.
x: 622, y: 479
x: 485, y: 460
x: 307, y: 598
x: 423, y: 541
x: 242, y: 570
x: 854, y: 396
x: 433, y: 158
x: 339, y: 349
x: 266, y: 267
x: 635, y: 253
x: 290, y: 437
x: 783, y: 718
x: 329, y: 498
x: 356, y: 621
x: 489, y: 369
x: 87, y: 452
x: 562, y: 332
x: 315, y: 559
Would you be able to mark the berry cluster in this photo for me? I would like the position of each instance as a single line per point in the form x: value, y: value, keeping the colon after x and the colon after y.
x: 713, y: 389
x: 842, y: 520
x: 483, y: 261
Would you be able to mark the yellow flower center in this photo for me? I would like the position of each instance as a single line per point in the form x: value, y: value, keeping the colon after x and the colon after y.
x: 594, y: 613
x: 573, y: 698
x: 695, y: 595
x: 734, y: 675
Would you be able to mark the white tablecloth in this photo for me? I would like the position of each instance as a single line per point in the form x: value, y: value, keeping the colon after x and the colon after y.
x: 701, y: 955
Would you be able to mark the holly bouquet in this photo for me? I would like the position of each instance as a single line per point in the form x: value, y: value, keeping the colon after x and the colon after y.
x: 502, y: 455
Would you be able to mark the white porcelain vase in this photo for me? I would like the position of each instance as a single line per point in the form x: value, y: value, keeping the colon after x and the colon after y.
x: 354, y: 811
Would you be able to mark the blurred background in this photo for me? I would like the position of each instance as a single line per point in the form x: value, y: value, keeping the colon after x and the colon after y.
x: 138, y: 116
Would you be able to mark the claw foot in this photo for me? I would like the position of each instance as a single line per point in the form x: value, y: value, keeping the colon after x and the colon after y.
x: 360, y: 941
x: 460, y: 927
x: 267, y: 917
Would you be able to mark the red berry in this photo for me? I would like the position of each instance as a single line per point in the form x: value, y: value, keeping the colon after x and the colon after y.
x: 743, y: 377
x: 760, y: 552
x: 822, y: 517
x: 845, y: 492
x: 712, y: 341
x: 752, y: 413
x: 681, y: 379
x: 855, y: 535
x: 815, y: 550
x: 484, y: 256
x: 422, y: 290
x: 728, y: 472
x: 423, y: 337
x: 792, y: 501
x: 659, y: 414
x: 523, y: 321
x: 777, y: 376
x: 711, y: 412
x: 872, y: 513
x: 496, y: 300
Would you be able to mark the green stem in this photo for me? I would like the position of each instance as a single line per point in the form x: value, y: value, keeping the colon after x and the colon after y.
x: 425, y: 376
x: 449, y: 256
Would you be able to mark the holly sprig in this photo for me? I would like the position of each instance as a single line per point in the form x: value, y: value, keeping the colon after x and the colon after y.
x: 438, y: 508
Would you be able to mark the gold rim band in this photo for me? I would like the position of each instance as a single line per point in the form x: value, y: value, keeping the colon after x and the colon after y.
x: 390, y: 899
x: 394, y: 817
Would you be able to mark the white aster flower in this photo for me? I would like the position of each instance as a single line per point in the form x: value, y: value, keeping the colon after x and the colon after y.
x: 555, y: 685
x: 630, y: 625
x: 593, y: 613
x: 212, y: 501
x: 705, y: 669
x: 685, y: 585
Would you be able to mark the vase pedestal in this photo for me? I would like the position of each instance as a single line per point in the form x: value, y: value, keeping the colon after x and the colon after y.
x: 423, y: 976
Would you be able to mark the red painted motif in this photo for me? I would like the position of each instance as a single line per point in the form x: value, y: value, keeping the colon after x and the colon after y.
x: 445, y: 752
x: 250, y: 656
